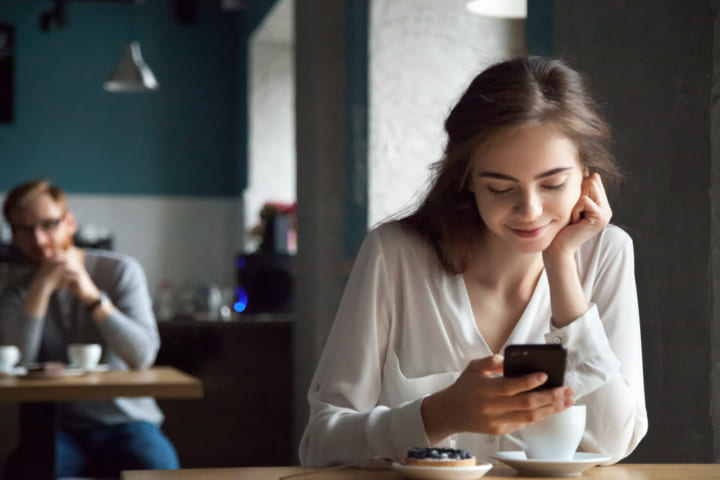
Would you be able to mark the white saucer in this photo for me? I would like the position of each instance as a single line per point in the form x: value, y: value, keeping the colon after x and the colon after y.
x: 63, y: 372
x: 103, y: 367
x: 573, y: 467
x: 16, y: 371
x: 442, y: 473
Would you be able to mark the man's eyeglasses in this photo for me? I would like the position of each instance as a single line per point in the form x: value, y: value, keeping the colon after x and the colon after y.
x: 47, y: 226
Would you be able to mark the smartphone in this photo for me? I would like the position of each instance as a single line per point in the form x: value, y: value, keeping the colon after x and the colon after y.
x: 533, y: 358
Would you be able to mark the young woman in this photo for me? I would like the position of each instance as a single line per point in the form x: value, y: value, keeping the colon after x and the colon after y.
x: 512, y: 244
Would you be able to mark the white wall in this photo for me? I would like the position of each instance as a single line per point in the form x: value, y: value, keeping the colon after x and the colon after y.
x: 423, y: 53
x: 271, y: 159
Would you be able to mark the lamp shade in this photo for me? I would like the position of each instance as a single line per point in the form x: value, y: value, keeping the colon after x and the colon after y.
x: 132, y: 73
x: 498, y: 8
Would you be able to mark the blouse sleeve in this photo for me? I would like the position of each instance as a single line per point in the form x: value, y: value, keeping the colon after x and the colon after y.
x: 346, y: 424
x: 604, y: 365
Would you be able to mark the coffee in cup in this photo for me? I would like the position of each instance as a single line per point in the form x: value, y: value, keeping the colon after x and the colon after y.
x: 556, y: 437
x: 84, y: 355
x: 9, y: 357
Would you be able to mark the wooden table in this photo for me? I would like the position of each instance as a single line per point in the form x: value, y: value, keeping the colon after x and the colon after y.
x: 37, y: 397
x: 616, y: 472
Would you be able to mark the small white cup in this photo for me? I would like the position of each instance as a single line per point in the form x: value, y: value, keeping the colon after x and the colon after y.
x: 84, y: 355
x: 9, y: 357
x: 556, y: 437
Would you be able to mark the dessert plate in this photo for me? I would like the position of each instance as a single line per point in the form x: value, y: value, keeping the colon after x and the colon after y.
x: 442, y: 473
x: 573, y: 467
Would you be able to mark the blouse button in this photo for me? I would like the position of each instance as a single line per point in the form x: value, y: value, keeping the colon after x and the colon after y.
x: 557, y: 340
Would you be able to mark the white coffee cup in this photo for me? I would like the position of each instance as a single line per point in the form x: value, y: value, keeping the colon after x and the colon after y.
x: 9, y: 357
x: 556, y: 437
x: 84, y: 355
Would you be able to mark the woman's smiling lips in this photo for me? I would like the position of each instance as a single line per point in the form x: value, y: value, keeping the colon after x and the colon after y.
x: 531, y: 232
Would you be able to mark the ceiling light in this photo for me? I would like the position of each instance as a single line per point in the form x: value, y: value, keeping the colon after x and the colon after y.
x: 514, y: 9
x: 132, y: 73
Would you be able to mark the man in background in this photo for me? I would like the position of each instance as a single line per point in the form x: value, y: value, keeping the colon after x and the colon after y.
x: 74, y: 295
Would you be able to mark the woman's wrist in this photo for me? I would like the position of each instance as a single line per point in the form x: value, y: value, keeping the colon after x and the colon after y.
x: 555, y: 258
x: 567, y: 298
x: 436, y: 417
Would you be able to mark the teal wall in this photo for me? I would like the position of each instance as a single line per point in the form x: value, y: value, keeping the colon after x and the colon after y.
x: 539, y: 27
x: 187, y: 138
x: 357, y: 26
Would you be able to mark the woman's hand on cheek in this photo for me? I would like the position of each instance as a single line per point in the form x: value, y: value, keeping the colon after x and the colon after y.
x: 590, y: 215
x: 482, y: 401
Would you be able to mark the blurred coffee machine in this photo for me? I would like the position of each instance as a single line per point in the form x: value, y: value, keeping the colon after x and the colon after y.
x: 266, y: 278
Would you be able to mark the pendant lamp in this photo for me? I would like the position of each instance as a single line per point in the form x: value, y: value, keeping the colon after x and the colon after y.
x: 132, y: 73
x: 513, y: 9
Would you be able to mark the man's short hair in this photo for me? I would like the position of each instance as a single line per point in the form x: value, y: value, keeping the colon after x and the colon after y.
x: 18, y: 195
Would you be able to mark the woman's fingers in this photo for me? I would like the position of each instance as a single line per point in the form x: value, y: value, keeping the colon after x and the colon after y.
x: 482, y: 401
x: 597, y: 194
x: 528, y: 400
x: 511, y: 421
x: 486, y: 365
x: 497, y: 413
x: 508, y: 386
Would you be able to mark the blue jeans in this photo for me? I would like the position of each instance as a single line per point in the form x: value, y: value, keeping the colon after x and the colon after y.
x: 106, y: 451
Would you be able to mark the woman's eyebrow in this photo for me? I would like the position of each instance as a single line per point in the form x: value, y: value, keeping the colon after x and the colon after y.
x: 502, y: 176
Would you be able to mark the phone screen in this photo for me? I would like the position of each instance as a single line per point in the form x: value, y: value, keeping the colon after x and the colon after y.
x: 533, y: 358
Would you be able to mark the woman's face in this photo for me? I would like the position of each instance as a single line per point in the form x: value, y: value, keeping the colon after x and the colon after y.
x: 526, y: 185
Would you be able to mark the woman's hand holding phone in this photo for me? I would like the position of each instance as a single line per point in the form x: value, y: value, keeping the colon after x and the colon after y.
x: 483, y: 401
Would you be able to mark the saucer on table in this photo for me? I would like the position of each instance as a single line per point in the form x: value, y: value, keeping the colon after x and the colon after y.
x: 572, y: 467
x: 103, y: 367
x: 16, y: 371
x: 52, y: 373
x: 442, y: 473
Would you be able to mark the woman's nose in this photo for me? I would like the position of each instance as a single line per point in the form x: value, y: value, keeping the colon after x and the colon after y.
x: 529, y: 205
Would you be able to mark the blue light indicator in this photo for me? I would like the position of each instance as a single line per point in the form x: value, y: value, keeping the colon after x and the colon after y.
x: 241, y: 262
x: 242, y: 299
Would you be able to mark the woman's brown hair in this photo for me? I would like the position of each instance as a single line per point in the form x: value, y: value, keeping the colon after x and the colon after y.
x: 506, y: 96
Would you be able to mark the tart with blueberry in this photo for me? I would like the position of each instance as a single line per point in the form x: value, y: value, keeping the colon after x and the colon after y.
x: 439, y: 457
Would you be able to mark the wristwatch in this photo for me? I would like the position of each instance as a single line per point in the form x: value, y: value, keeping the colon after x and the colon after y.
x: 102, y: 300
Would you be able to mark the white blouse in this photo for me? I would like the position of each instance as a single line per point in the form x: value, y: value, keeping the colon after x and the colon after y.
x: 405, y: 329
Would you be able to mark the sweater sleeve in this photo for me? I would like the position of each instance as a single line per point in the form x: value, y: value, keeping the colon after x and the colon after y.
x: 18, y: 328
x: 131, y: 330
x: 346, y: 424
x: 604, y: 364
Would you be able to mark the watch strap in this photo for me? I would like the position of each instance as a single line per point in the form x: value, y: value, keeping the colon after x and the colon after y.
x: 101, y: 299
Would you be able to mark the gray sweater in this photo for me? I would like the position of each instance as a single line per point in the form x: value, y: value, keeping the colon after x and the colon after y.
x: 129, y: 336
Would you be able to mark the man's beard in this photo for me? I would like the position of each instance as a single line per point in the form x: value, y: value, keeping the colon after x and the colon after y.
x: 65, y: 243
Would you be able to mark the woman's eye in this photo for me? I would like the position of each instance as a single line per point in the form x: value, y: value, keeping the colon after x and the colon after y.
x: 499, y: 191
x: 554, y: 187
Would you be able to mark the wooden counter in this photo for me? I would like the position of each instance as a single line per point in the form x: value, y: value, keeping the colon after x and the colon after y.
x: 616, y: 472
